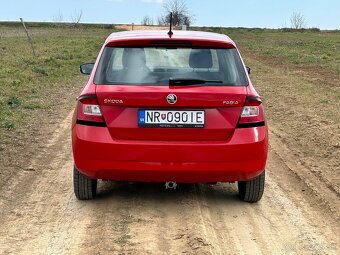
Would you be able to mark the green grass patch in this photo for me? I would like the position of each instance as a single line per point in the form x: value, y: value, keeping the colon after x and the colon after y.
x: 13, y: 101
x: 309, y: 47
x: 26, y: 82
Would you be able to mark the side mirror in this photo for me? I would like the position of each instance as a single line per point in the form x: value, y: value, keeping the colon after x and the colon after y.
x: 86, y: 68
x: 248, y: 69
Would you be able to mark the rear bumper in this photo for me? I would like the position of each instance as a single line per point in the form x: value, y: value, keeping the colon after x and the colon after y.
x: 98, y: 156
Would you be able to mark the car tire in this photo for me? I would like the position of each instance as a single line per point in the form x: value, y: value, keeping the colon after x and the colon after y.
x: 252, y: 191
x: 84, y: 187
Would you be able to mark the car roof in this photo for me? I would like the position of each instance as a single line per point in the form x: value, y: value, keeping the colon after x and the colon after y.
x: 163, y: 35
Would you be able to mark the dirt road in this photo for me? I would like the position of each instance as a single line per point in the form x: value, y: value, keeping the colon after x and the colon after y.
x: 40, y: 215
x: 299, y: 213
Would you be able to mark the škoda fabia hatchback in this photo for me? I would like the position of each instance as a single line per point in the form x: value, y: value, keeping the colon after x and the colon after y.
x: 169, y: 107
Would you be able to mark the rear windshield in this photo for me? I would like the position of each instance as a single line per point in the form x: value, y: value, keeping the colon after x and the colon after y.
x: 158, y: 65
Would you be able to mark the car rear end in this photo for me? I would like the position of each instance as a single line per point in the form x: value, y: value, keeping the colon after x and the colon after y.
x: 159, y: 108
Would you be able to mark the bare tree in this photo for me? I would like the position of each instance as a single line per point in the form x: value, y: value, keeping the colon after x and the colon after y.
x: 58, y: 18
x: 297, y: 20
x: 147, y: 21
x: 76, y: 16
x: 161, y: 21
x: 144, y: 21
x: 180, y: 13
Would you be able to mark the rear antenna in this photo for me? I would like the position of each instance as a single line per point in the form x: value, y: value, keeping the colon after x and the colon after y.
x: 170, y: 33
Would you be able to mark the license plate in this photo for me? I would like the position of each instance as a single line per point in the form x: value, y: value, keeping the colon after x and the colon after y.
x: 171, y: 118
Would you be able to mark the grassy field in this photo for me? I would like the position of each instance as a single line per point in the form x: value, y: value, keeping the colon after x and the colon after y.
x: 31, y: 85
x: 302, y: 48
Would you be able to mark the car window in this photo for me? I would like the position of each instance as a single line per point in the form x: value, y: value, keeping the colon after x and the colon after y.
x: 156, y: 65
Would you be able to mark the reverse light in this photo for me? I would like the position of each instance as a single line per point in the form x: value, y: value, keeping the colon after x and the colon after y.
x: 88, y: 111
x: 252, y: 113
x: 92, y: 109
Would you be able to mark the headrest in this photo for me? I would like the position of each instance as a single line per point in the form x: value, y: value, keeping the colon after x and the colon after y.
x: 200, y: 58
x: 133, y: 57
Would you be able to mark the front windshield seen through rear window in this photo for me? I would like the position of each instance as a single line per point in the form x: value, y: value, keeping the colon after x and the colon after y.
x: 157, y: 65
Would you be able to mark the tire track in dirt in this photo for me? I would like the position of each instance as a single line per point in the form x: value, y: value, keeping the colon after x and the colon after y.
x: 149, y: 219
x: 323, y: 193
x: 37, y: 196
x: 283, y: 223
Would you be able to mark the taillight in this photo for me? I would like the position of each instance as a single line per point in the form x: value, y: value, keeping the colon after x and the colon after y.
x: 252, y: 113
x: 88, y: 111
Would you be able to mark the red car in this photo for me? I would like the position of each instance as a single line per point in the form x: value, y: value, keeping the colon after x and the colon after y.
x: 173, y: 108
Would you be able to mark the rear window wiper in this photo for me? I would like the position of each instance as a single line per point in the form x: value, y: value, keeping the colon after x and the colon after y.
x: 188, y: 81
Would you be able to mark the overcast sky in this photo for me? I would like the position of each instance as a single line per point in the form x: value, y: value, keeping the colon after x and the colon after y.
x: 324, y: 14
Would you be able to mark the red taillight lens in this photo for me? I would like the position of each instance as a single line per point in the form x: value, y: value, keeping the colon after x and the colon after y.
x: 252, y: 113
x: 88, y: 111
